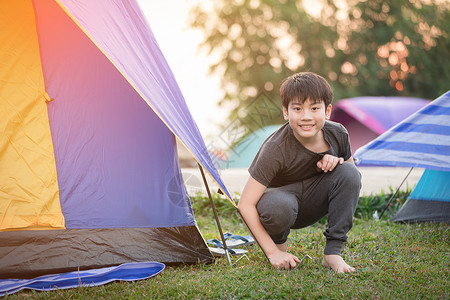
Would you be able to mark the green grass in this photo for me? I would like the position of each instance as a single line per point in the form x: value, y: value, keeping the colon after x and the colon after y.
x: 393, y: 261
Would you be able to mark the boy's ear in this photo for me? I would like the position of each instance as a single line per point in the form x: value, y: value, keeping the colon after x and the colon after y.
x: 328, y: 112
x: 285, y: 114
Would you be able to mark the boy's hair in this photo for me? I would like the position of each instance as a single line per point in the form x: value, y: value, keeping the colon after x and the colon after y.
x: 306, y: 85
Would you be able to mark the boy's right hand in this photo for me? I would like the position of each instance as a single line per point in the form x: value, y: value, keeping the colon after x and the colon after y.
x: 283, y: 260
x: 329, y: 162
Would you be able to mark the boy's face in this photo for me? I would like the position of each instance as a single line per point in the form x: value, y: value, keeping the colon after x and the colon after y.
x: 307, y: 119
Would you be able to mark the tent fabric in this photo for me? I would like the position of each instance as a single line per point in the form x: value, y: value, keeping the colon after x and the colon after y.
x: 429, y: 201
x: 25, y: 187
x: 380, y: 113
x: 88, y: 120
x: 124, y: 22
x: 90, y: 113
x: 365, y: 118
x: 421, y: 140
x: 417, y: 211
x: 242, y: 155
x: 426, y: 187
x: 96, y: 277
x: 59, y: 251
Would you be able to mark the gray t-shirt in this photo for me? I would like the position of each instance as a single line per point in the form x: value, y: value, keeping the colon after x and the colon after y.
x: 283, y: 160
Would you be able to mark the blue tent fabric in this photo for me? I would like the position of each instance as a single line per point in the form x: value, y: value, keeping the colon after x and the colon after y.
x: 421, y: 140
x: 242, y: 155
x: 429, y: 201
x: 426, y: 187
x: 94, y: 277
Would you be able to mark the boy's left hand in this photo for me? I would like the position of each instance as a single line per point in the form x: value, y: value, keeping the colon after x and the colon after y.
x: 329, y: 162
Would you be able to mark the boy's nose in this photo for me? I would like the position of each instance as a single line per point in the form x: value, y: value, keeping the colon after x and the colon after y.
x: 305, y: 115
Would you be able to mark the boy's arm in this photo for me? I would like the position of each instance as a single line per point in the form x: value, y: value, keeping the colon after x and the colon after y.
x: 251, y: 194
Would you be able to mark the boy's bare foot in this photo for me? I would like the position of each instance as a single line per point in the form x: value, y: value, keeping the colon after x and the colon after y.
x: 336, y: 263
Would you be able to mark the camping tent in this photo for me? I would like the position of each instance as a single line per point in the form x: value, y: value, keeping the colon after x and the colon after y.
x: 242, y: 155
x: 421, y: 140
x: 429, y: 201
x: 90, y: 114
x: 365, y: 118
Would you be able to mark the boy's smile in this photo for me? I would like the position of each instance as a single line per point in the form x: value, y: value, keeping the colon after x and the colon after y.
x: 307, y: 119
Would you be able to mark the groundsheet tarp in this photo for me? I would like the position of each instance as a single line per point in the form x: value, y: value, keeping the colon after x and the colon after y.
x: 87, y: 278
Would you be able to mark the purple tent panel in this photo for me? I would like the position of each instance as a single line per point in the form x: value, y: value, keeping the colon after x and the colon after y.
x: 367, y: 117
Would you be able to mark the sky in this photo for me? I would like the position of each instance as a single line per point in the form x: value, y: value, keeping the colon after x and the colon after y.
x: 179, y: 44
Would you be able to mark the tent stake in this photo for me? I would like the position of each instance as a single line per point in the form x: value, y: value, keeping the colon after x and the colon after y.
x: 392, y: 197
x: 215, y: 215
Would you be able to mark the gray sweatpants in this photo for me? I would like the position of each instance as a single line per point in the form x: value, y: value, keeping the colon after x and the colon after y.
x: 301, y: 204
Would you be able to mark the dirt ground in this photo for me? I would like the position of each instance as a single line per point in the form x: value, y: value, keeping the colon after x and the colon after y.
x: 374, y: 179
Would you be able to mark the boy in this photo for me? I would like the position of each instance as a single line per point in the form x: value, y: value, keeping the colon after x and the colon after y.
x: 302, y: 172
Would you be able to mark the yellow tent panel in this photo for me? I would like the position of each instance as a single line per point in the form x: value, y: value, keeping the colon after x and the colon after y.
x: 29, y: 196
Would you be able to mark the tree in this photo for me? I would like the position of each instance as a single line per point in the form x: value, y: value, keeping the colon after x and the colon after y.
x: 398, y: 48
x: 376, y: 47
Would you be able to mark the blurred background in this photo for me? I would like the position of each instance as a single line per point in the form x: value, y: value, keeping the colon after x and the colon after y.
x: 229, y: 58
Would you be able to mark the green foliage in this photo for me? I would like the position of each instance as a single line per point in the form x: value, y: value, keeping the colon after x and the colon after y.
x: 399, y: 48
x: 366, y: 208
x: 201, y: 204
x: 372, y: 48
x: 369, y: 205
x: 204, y: 214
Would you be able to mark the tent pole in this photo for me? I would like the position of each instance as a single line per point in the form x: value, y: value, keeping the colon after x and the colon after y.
x: 248, y: 228
x: 392, y: 197
x: 215, y: 214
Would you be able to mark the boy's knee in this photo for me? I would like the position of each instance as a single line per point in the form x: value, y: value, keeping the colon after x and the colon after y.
x: 351, y: 174
x: 277, y: 210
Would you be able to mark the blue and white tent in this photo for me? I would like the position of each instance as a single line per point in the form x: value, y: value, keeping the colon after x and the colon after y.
x: 422, y: 140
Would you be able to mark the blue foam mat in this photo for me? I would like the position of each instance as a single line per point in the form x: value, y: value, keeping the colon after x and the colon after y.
x: 94, y: 277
